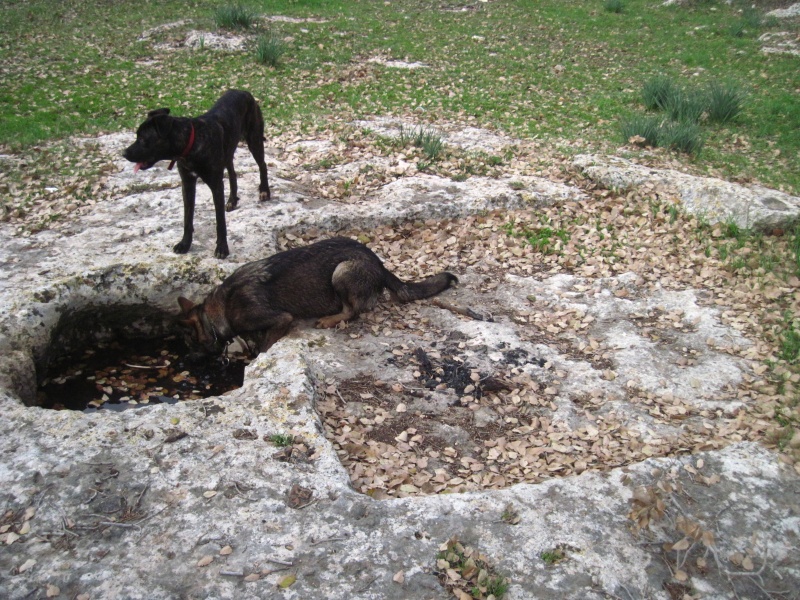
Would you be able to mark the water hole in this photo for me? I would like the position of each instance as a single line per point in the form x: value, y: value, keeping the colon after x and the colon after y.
x: 124, y: 374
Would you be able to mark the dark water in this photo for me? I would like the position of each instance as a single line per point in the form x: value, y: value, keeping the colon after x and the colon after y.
x: 133, y: 373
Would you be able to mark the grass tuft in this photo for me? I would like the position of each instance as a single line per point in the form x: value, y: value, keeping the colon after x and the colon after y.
x: 638, y: 127
x: 428, y: 139
x: 614, y: 6
x: 269, y: 49
x: 234, y: 16
x: 686, y: 106
x: 724, y: 102
x: 683, y: 137
x: 657, y: 91
x: 749, y: 22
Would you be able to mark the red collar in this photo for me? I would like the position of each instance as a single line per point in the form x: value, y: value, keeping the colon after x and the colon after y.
x: 186, y: 150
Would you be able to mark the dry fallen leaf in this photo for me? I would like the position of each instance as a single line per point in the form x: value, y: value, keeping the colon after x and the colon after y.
x: 205, y: 561
x: 26, y: 565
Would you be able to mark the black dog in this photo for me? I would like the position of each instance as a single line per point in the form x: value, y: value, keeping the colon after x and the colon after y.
x: 204, y: 147
x: 334, y: 280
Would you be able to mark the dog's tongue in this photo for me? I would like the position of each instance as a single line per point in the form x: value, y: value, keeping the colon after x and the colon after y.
x: 137, y: 167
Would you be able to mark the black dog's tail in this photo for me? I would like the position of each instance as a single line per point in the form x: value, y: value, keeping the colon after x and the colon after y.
x: 416, y: 290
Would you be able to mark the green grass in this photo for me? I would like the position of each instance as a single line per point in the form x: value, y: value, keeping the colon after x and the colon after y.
x: 543, y: 239
x: 657, y: 91
x: 724, y: 102
x: 614, y: 6
x: 269, y: 49
x: 85, y: 67
x: 235, y: 16
x: 795, y: 247
x: 790, y: 342
x: 646, y: 127
x: 685, y: 137
x: 426, y: 138
x: 685, y: 105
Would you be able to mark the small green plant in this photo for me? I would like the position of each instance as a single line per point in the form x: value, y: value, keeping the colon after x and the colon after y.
x: 234, y: 16
x: 794, y: 246
x: 614, y: 6
x: 673, y: 213
x: 476, y: 576
x: 282, y: 440
x: 516, y: 185
x: 552, y: 557
x: 738, y: 263
x: 731, y: 229
x: 269, y: 49
x: 724, y: 102
x: 543, y: 239
x: 426, y: 138
x: 657, y: 92
x: 683, y: 137
x: 510, y: 515
x: 790, y: 344
x: 641, y: 129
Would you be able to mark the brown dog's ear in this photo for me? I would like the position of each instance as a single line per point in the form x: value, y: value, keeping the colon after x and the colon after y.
x: 158, y: 111
x: 186, y: 304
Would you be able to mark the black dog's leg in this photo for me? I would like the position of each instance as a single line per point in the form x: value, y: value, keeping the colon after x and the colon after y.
x: 255, y: 142
x: 189, y: 187
x: 218, y: 193
x: 233, y: 195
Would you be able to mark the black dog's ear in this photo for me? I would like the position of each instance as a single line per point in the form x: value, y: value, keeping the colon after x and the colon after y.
x: 158, y: 111
x: 163, y: 124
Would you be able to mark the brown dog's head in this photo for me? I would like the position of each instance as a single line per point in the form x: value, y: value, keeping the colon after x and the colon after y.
x: 199, y: 332
x: 154, y: 141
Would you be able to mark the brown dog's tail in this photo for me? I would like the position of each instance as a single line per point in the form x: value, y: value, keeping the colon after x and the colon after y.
x: 417, y: 290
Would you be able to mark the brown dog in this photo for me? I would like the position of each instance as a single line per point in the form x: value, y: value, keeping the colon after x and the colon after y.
x: 333, y: 280
x: 203, y: 147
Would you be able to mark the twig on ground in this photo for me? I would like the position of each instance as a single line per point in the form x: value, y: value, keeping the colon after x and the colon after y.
x: 232, y: 573
x: 364, y: 587
x: 466, y: 312
x: 330, y: 539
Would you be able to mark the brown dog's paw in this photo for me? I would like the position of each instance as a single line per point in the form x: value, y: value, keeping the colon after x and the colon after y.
x: 263, y: 196
x: 328, y: 322
x: 221, y: 251
x: 231, y: 204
